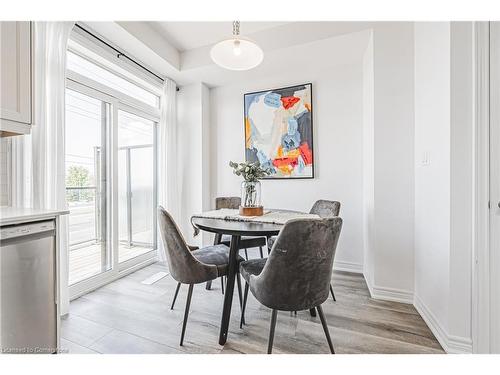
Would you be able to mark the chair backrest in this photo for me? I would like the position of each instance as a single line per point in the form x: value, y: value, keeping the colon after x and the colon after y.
x: 227, y: 202
x: 183, y: 266
x: 298, y: 271
x: 325, y: 209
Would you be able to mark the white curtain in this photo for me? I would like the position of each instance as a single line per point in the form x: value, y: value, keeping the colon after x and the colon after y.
x: 20, y: 178
x: 51, y: 41
x: 38, y: 170
x: 47, y: 139
x: 168, y: 195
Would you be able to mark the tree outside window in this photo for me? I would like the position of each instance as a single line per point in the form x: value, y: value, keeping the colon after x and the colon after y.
x: 78, y: 176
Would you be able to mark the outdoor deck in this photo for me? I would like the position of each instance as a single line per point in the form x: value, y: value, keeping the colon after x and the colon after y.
x: 85, y: 251
x: 85, y: 261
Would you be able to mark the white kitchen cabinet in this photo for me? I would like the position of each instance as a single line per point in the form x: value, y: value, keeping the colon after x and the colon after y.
x: 16, y: 88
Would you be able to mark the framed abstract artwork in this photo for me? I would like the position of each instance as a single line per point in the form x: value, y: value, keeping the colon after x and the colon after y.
x: 279, y: 131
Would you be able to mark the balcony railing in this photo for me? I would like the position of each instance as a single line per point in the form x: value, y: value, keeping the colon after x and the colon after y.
x: 87, y: 221
x: 84, y: 219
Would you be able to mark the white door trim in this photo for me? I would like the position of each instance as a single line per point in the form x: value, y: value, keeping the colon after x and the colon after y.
x: 494, y: 245
x: 480, y: 271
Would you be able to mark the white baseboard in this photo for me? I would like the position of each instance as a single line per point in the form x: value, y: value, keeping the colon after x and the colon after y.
x: 348, y: 267
x: 459, y: 345
x: 389, y: 294
x: 450, y: 343
x: 392, y: 294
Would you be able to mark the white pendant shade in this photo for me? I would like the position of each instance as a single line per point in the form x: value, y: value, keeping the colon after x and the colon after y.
x: 237, y: 54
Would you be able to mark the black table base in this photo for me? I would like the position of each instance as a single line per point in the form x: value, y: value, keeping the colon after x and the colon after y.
x: 235, y: 229
x: 228, y: 296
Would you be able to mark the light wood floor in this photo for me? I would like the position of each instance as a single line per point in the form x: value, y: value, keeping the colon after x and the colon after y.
x: 127, y: 316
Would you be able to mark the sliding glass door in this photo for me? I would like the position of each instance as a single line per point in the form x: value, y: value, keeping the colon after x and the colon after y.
x: 87, y: 122
x: 136, y: 185
x: 111, y: 181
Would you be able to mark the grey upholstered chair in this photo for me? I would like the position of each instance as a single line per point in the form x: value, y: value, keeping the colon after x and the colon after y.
x: 297, y: 272
x: 324, y: 209
x: 189, y: 265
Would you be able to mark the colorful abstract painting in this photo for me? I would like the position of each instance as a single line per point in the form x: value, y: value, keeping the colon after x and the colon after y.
x: 278, y: 131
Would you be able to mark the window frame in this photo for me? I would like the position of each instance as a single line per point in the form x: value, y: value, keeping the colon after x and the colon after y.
x: 78, y: 43
x: 121, y: 97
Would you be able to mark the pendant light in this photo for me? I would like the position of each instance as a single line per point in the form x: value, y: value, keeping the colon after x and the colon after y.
x: 237, y: 53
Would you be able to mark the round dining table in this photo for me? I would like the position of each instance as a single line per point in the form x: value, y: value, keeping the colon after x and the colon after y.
x: 235, y: 229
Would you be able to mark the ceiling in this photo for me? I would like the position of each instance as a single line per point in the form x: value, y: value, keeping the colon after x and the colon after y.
x: 340, y: 50
x: 190, y: 35
x: 181, y: 50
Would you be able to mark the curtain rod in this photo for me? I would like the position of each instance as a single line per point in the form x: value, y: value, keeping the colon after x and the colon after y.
x: 121, y: 54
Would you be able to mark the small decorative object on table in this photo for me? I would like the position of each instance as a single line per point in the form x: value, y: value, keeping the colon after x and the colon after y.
x: 250, y: 187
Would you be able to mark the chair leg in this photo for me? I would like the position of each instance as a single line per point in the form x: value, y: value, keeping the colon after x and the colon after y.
x: 175, y: 295
x: 245, y: 296
x: 209, y: 285
x: 222, y: 284
x: 246, y: 254
x: 312, y: 312
x: 271, y: 332
x: 333, y: 294
x: 261, y: 253
x: 238, y: 280
x: 186, y: 312
x: 325, y: 328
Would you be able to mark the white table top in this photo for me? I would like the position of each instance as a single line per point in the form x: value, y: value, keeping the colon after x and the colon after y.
x: 16, y: 215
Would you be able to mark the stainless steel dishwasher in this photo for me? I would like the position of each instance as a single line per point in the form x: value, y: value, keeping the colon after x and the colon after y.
x: 28, y: 309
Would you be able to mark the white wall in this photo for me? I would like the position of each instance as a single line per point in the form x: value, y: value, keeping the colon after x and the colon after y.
x: 338, y: 145
x: 432, y: 178
x: 444, y: 183
x: 206, y: 238
x: 391, y: 264
x: 462, y: 182
x: 193, y: 179
x: 368, y: 164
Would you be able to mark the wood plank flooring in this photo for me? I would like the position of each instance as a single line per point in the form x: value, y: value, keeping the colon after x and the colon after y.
x: 129, y: 317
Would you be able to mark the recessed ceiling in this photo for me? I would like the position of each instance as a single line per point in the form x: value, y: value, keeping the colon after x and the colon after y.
x: 189, y: 35
x: 289, y: 44
x: 346, y: 49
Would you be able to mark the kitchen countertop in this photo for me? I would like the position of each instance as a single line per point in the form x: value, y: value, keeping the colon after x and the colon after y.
x: 16, y: 215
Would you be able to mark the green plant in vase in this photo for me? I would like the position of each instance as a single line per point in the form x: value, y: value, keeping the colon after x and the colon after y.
x: 250, y: 187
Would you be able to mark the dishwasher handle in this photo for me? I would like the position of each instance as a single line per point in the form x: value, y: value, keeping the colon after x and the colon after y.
x: 25, y: 232
x: 29, y: 237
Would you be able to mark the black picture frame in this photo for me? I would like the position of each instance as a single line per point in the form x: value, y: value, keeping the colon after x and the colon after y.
x: 312, y: 128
